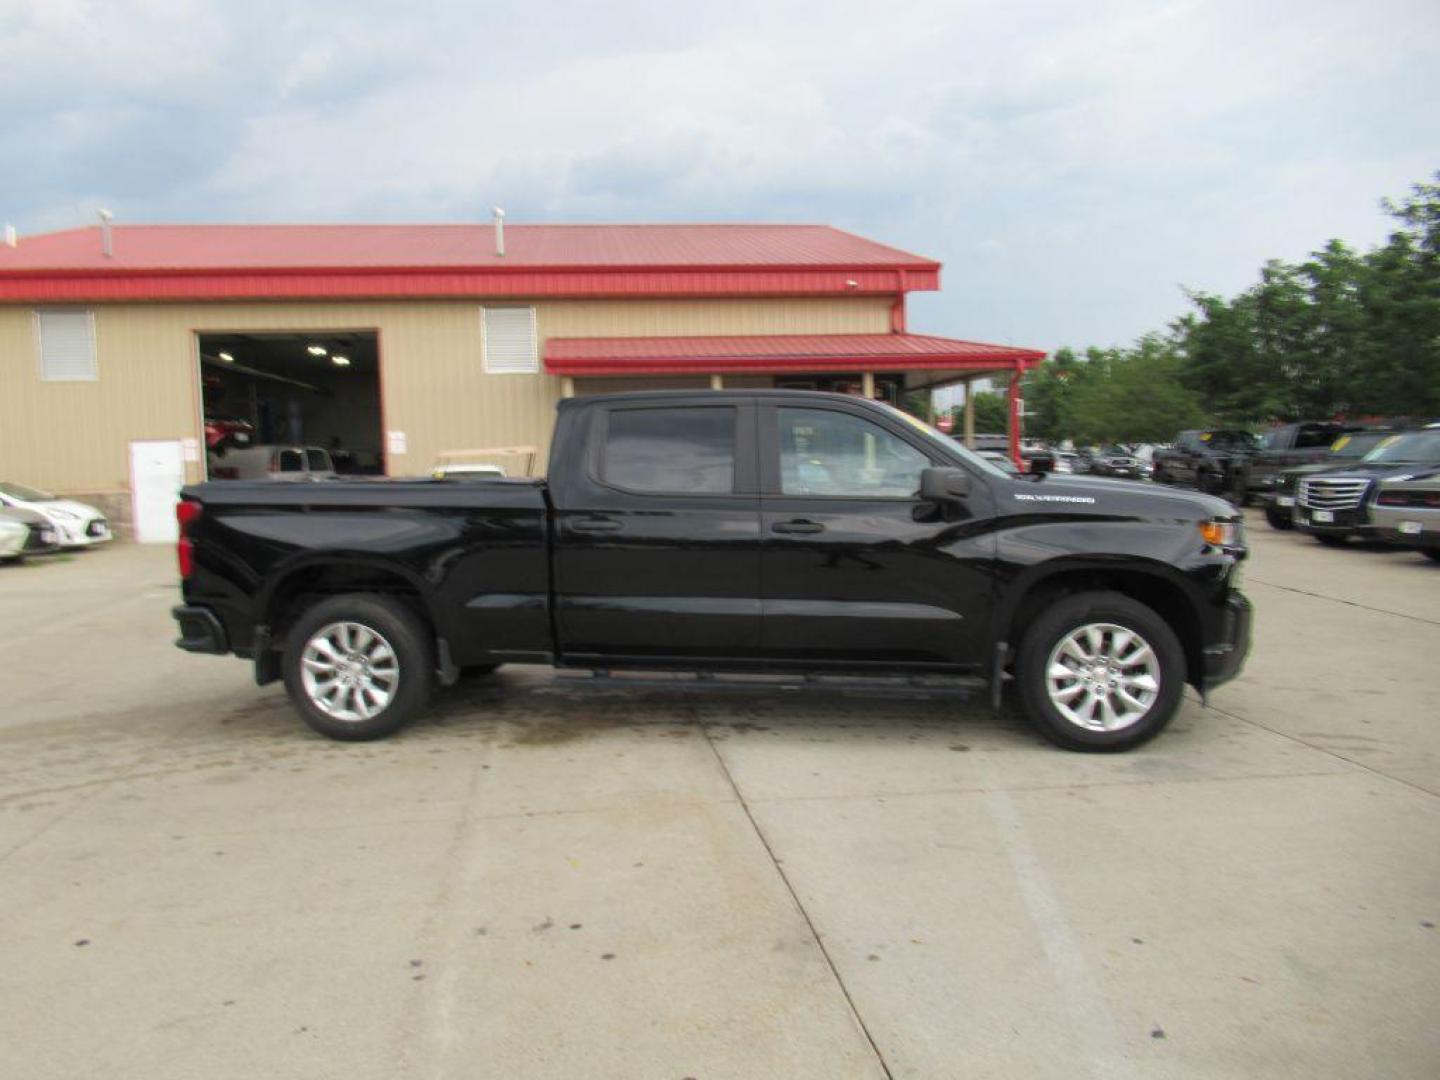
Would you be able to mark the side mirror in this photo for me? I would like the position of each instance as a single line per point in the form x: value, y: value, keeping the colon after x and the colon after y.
x: 944, y: 485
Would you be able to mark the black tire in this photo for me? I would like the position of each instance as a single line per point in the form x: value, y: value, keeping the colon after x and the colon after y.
x: 1278, y: 520
x: 1432, y: 553
x: 478, y: 671
x: 408, y: 638
x: 1069, y: 614
x: 1332, y: 539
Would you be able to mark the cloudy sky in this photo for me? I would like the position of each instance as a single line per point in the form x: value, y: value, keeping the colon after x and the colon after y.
x: 1072, y: 164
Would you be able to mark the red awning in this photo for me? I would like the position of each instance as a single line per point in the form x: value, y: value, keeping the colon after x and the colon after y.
x: 779, y: 353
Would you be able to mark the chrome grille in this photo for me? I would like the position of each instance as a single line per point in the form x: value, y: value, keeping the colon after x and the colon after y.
x: 1332, y: 494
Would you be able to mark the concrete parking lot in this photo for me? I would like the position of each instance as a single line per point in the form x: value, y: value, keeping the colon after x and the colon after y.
x: 554, y: 880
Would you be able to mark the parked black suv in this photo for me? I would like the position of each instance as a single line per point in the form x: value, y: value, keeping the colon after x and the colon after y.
x: 1334, y: 505
x: 1279, y: 501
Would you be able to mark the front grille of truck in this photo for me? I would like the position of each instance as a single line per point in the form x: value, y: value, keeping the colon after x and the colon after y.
x: 1332, y: 494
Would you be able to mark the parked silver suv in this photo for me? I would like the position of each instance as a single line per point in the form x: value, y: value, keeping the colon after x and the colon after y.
x: 1407, y: 512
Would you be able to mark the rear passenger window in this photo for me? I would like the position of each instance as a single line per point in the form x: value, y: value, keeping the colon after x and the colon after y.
x: 318, y: 460
x: 291, y: 461
x: 683, y: 451
x: 1312, y: 437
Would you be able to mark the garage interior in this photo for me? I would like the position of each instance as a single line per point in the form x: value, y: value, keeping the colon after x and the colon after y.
x: 319, y: 388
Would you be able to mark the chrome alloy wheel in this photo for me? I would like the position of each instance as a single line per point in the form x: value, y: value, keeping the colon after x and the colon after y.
x: 1103, y: 677
x: 349, y: 671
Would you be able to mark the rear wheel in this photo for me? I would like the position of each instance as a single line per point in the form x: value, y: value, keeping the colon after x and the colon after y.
x: 358, y: 666
x: 1278, y: 519
x: 1100, y: 672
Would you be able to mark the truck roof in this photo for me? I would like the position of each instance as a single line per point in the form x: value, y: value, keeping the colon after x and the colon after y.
x: 662, y: 395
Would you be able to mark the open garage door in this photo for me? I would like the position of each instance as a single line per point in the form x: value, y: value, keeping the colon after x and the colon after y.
x: 293, y: 392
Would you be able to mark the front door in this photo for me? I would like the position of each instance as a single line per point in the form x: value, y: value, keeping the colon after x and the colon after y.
x: 854, y: 567
x: 657, y: 543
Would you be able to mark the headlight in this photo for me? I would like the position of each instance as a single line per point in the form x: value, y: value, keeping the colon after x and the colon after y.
x: 1223, y: 534
x: 1220, y: 533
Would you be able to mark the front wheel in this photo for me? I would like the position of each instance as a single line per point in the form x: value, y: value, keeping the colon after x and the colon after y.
x: 358, y: 666
x: 1100, y: 672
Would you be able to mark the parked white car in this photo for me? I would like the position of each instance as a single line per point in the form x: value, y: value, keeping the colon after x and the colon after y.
x: 13, y: 535
x: 76, y: 524
x: 273, y: 461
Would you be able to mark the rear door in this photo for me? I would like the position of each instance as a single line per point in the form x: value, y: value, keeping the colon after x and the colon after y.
x: 657, y: 534
x: 855, y: 568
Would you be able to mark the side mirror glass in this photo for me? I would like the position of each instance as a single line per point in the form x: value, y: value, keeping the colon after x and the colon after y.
x: 944, y: 485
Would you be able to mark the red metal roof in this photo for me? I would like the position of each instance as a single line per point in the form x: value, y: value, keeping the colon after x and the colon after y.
x: 166, y: 262
x: 778, y: 353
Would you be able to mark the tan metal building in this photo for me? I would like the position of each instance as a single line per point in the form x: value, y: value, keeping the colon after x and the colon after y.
x: 115, y: 341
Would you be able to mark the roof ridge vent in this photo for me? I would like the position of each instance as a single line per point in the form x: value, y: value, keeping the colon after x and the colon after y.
x: 107, y: 246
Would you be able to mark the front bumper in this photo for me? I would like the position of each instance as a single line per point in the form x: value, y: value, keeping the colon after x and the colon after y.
x: 1341, y: 521
x: 200, y: 630
x: 1225, y: 658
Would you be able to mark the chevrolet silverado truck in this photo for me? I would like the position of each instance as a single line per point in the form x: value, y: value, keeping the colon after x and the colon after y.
x: 724, y: 532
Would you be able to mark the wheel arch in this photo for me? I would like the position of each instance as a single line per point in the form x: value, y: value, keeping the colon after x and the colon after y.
x: 1150, y: 583
x: 289, y: 593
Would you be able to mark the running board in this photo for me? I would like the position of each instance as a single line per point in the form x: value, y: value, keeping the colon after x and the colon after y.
x: 910, y: 686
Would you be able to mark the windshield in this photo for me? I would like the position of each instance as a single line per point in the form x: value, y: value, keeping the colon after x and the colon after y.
x: 1412, y: 448
x: 1357, y: 444
x: 25, y: 494
x: 949, y: 445
x: 1114, y: 451
x: 1231, y: 440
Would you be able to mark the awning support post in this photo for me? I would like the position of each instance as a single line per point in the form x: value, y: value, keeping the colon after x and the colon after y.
x: 567, y: 387
x: 1015, y: 404
x: 717, y: 382
x: 867, y: 385
x: 970, y: 413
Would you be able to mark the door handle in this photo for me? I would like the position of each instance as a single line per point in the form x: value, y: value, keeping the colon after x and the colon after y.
x: 594, y: 525
x: 800, y: 525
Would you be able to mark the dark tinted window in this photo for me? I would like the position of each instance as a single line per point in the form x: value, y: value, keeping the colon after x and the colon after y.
x: 291, y: 461
x: 1315, y: 435
x: 318, y: 459
x: 673, y: 450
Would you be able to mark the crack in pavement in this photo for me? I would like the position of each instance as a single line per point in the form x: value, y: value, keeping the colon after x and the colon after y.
x: 1338, y: 600
x: 799, y: 906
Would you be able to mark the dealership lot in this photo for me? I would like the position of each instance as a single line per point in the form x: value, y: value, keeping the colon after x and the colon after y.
x: 550, y: 878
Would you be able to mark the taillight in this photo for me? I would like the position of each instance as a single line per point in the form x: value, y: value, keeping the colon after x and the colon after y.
x: 187, y: 512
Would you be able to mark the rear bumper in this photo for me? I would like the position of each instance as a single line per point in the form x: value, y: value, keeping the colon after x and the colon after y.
x: 200, y: 630
x: 1225, y: 658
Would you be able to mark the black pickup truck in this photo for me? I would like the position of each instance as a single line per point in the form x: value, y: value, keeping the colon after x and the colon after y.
x: 1213, y: 461
x: 1306, y: 442
x: 762, y: 531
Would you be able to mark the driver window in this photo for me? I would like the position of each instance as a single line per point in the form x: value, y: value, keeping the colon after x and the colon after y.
x: 834, y: 453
